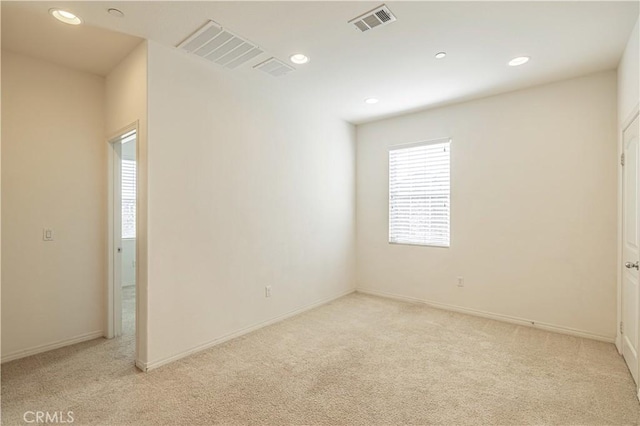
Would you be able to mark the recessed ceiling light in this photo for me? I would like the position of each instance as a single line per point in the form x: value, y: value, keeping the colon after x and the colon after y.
x: 115, y: 12
x: 299, y: 59
x: 65, y: 16
x: 518, y: 61
x: 371, y: 101
x: 441, y: 55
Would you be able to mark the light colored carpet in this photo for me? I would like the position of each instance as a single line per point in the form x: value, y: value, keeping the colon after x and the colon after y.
x: 128, y: 310
x: 360, y: 360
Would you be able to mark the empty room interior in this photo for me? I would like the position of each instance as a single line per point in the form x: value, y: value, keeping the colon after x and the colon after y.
x: 320, y: 212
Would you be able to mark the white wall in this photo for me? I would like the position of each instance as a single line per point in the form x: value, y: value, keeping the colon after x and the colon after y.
x: 128, y: 263
x: 126, y: 103
x: 53, y: 175
x: 533, y: 207
x: 629, y: 77
x: 248, y: 187
x: 128, y: 151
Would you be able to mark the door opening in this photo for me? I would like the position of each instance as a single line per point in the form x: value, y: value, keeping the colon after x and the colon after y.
x: 122, y: 285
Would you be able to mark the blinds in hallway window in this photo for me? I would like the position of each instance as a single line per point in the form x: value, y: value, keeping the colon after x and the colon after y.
x: 419, y: 194
x: 128, y: 199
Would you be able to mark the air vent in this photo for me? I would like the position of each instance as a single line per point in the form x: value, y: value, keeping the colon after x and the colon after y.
x: 275, y: 67
x: 216, y: 44
x: 377, y: 17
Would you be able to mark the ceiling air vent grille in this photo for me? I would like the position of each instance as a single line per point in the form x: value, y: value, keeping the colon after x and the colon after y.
x: 379, y: 16
x: 216, y: 44
x: 275, y: 67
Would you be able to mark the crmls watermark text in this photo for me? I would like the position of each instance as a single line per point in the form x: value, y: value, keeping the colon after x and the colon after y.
x: 58, y: 417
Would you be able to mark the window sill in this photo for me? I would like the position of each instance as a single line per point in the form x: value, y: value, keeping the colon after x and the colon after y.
x: 420, y: 245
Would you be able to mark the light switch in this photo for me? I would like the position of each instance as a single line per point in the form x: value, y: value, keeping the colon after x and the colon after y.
x: 47, y: 234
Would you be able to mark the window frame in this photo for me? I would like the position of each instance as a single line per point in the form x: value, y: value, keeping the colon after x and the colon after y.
x: 412, y: 145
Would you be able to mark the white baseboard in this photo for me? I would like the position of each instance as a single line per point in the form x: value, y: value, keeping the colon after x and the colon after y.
x: 142, y: 366
x: 51, y: 346
x: 497, y: 317
x: 147, y: 366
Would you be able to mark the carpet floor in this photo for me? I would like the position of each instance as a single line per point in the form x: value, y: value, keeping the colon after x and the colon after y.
x: 129, y: 310
x: 360, y: 360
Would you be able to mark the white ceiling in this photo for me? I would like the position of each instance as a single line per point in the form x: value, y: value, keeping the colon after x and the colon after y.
x: 394, y: 63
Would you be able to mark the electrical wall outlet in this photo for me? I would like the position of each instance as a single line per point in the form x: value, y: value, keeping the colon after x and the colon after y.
x: 460, y: 282
x: 47, y: 234
x: 267, y: 291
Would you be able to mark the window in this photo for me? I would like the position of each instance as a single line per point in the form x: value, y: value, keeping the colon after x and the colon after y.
x: 419, y: 193
x: 128, y: 199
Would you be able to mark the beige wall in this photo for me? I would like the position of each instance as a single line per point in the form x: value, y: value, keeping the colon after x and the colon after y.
x: 248, y: 187
x: 533, y: 207
x: 126, y: 104
x: 53, y: 175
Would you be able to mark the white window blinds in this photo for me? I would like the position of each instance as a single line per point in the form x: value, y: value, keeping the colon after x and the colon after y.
x: 419, y: 194
x: 128, y: 199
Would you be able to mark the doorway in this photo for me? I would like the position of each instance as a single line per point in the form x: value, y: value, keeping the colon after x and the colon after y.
x: 630, y: 247
x: 123, y: 230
